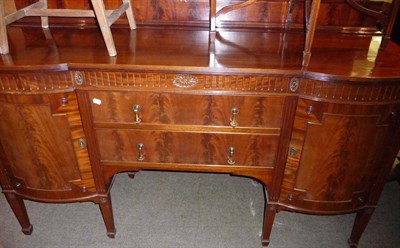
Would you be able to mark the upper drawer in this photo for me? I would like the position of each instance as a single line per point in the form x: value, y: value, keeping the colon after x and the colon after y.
x: 186, y: 109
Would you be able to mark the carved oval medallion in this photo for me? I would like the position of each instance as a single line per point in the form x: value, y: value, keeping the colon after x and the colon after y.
x: 78, y: 78
x: 294, y: 84
x: 184, y: 81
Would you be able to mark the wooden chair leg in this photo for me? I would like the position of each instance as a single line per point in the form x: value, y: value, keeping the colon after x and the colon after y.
x: 104, y: 17
x: 311, y: 22
x: 291, y: 5
x: 18, y: 207
x: 3, y: 31
x: 44, y: 19
x: 130, y: 15
x: 387, y: 31
x: 100, y: 11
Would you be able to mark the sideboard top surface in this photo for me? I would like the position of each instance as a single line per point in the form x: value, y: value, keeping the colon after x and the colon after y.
x: 334, y: 56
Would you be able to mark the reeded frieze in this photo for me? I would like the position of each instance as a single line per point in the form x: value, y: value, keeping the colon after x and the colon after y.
x: 350, y: 92
x: 35, y: 82
x: 150, y: 80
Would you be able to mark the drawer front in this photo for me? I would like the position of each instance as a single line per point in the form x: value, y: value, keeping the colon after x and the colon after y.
x: 186, y: 109
x: 187, y: 147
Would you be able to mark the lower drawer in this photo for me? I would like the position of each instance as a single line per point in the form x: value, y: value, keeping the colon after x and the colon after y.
x: 187, y: 147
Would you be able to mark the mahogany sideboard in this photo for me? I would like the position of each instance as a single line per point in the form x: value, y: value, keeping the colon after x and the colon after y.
x: 320, y: 138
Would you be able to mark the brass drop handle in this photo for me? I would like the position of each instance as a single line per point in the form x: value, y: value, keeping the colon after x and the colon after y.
x: 140, y: 156
x: 136, y: 110
x: 234, y: 113
x: 231, y: 159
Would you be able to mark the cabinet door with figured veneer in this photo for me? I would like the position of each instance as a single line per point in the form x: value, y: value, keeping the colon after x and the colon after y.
x: 42, y: 147
x: 337, y: 155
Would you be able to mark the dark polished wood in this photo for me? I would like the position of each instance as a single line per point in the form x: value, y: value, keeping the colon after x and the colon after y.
x: 177, y: 109
x: 335, y: 56
x: 352, y: 141
x: 18, y: 206
x: 334, y: 14
x: 39, y: 134
x: 320, y: 138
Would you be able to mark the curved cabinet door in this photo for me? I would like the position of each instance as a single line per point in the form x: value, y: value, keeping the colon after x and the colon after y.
x: 337, y: 155
x: 43, y: 149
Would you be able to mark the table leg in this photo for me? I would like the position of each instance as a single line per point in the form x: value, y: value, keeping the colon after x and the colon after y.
x: 18, y: 206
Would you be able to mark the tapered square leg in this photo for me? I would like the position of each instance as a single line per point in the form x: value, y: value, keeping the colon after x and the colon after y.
x: 107, y: 213
x: 269, y: 217
x: 19, y: 209
x: 360, y: 223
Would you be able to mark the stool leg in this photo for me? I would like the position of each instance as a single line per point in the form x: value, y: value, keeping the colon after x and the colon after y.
x: 130, y: 15
x: 291, y: 6
x: 44, y: 19
x: 100, y: 12
x: 3, y: 31
x: 387, y: 31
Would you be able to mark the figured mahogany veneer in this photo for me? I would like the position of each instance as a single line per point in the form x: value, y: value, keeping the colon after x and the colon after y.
x: 321, y: 139
x: 157, y: 108
x: 186, y: 148
x: 38, y: 130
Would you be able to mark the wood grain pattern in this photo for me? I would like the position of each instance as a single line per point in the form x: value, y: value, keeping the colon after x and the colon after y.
x: 186, y: 109
x: 352, y: 141
x: 322, y: 148
x: 71, y: 109
x: 336, y: 57
x: 41, y: 129
x: 342, y: 173
x: 33, y: 152
x: 187, y: 148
